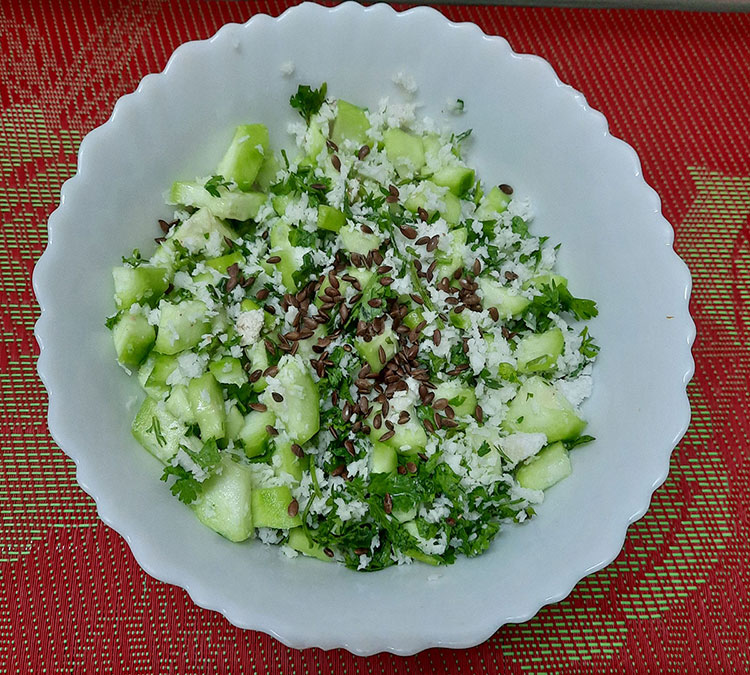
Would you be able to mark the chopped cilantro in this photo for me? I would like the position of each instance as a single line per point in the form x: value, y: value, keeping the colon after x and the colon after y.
x: 213, y: 184
x: 112, y: 320
x: 185, y: 487
x: 155, y: 429
x: 307, y: 101
x: 134, y: 260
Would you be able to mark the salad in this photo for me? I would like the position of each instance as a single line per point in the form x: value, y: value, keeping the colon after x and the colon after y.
x: 355, y: 350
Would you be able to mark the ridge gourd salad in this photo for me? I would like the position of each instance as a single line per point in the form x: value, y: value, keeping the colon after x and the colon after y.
x: 360, y: 353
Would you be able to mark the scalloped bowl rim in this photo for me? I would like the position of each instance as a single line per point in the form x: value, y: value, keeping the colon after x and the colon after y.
x: 150, y: 558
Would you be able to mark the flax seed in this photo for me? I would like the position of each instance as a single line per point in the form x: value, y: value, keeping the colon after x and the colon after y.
x: 387, y: 503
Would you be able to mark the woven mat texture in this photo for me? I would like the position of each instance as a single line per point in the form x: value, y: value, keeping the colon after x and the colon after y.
x: 674, y: 85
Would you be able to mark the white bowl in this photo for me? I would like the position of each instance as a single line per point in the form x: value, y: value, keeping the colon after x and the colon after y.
x: 530, y: 130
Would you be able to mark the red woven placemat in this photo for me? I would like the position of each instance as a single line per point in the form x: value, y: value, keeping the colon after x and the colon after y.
x: 676, y: 86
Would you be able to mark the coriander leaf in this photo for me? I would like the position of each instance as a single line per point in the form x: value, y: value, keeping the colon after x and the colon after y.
x: 303, y: 274
x: 557, y: 299
x: 300, y: 237
x: 483, y: 449
x: 519, y: 226
x: 581, y: 440
x: 307, y: 101
x: 112, y: 320
x: 373, y: 201
x: 302, y: 181
x: 186, y: 488
x: 134, y: 260
x: 213, y: 184
x: 208, y: 456
x: 463, y: 136
x: 588, y: 348
x: 155, y: 429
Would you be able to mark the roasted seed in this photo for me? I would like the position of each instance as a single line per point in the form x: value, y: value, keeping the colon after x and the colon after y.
x: 260, y: 407
x: 336, y: 162
x: 262, y: 294
x: 272, y: 431
x: 297, y: 450
x: 440, y: 404
x: 436, y: 337
x: 293, y: 508
x: 270, y: 309
x: 387, y: 435
x: 409, y: 232
x: 422, y: 241
x: 433, y: 243
x: 507, y: 189
x: 393, y: 190
x: 510, y: 276
x: 479, y: 413
x: 423, y: 215
x: 271, y: 371
x: 164, y: 225
x: 387, y: 503
x: 381, y: 354
x: 363, y: 152
x: 273, y: 260
x: 429, y: 427
x: 411, y: 467
x: 361, y: 551
x: 277, y: 397
x: 318, y: 186
x: 366, y: 229
x: 476, y: 268
x: 339, y: 470
x: 375, y: 302
x: 418, y: 299
x: 328, y: 552
x: 331, y: 145
x: 401, y: 470
x: 494, y: 314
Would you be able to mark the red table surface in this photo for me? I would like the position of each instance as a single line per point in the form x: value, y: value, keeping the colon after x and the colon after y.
x: 676, y: 86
